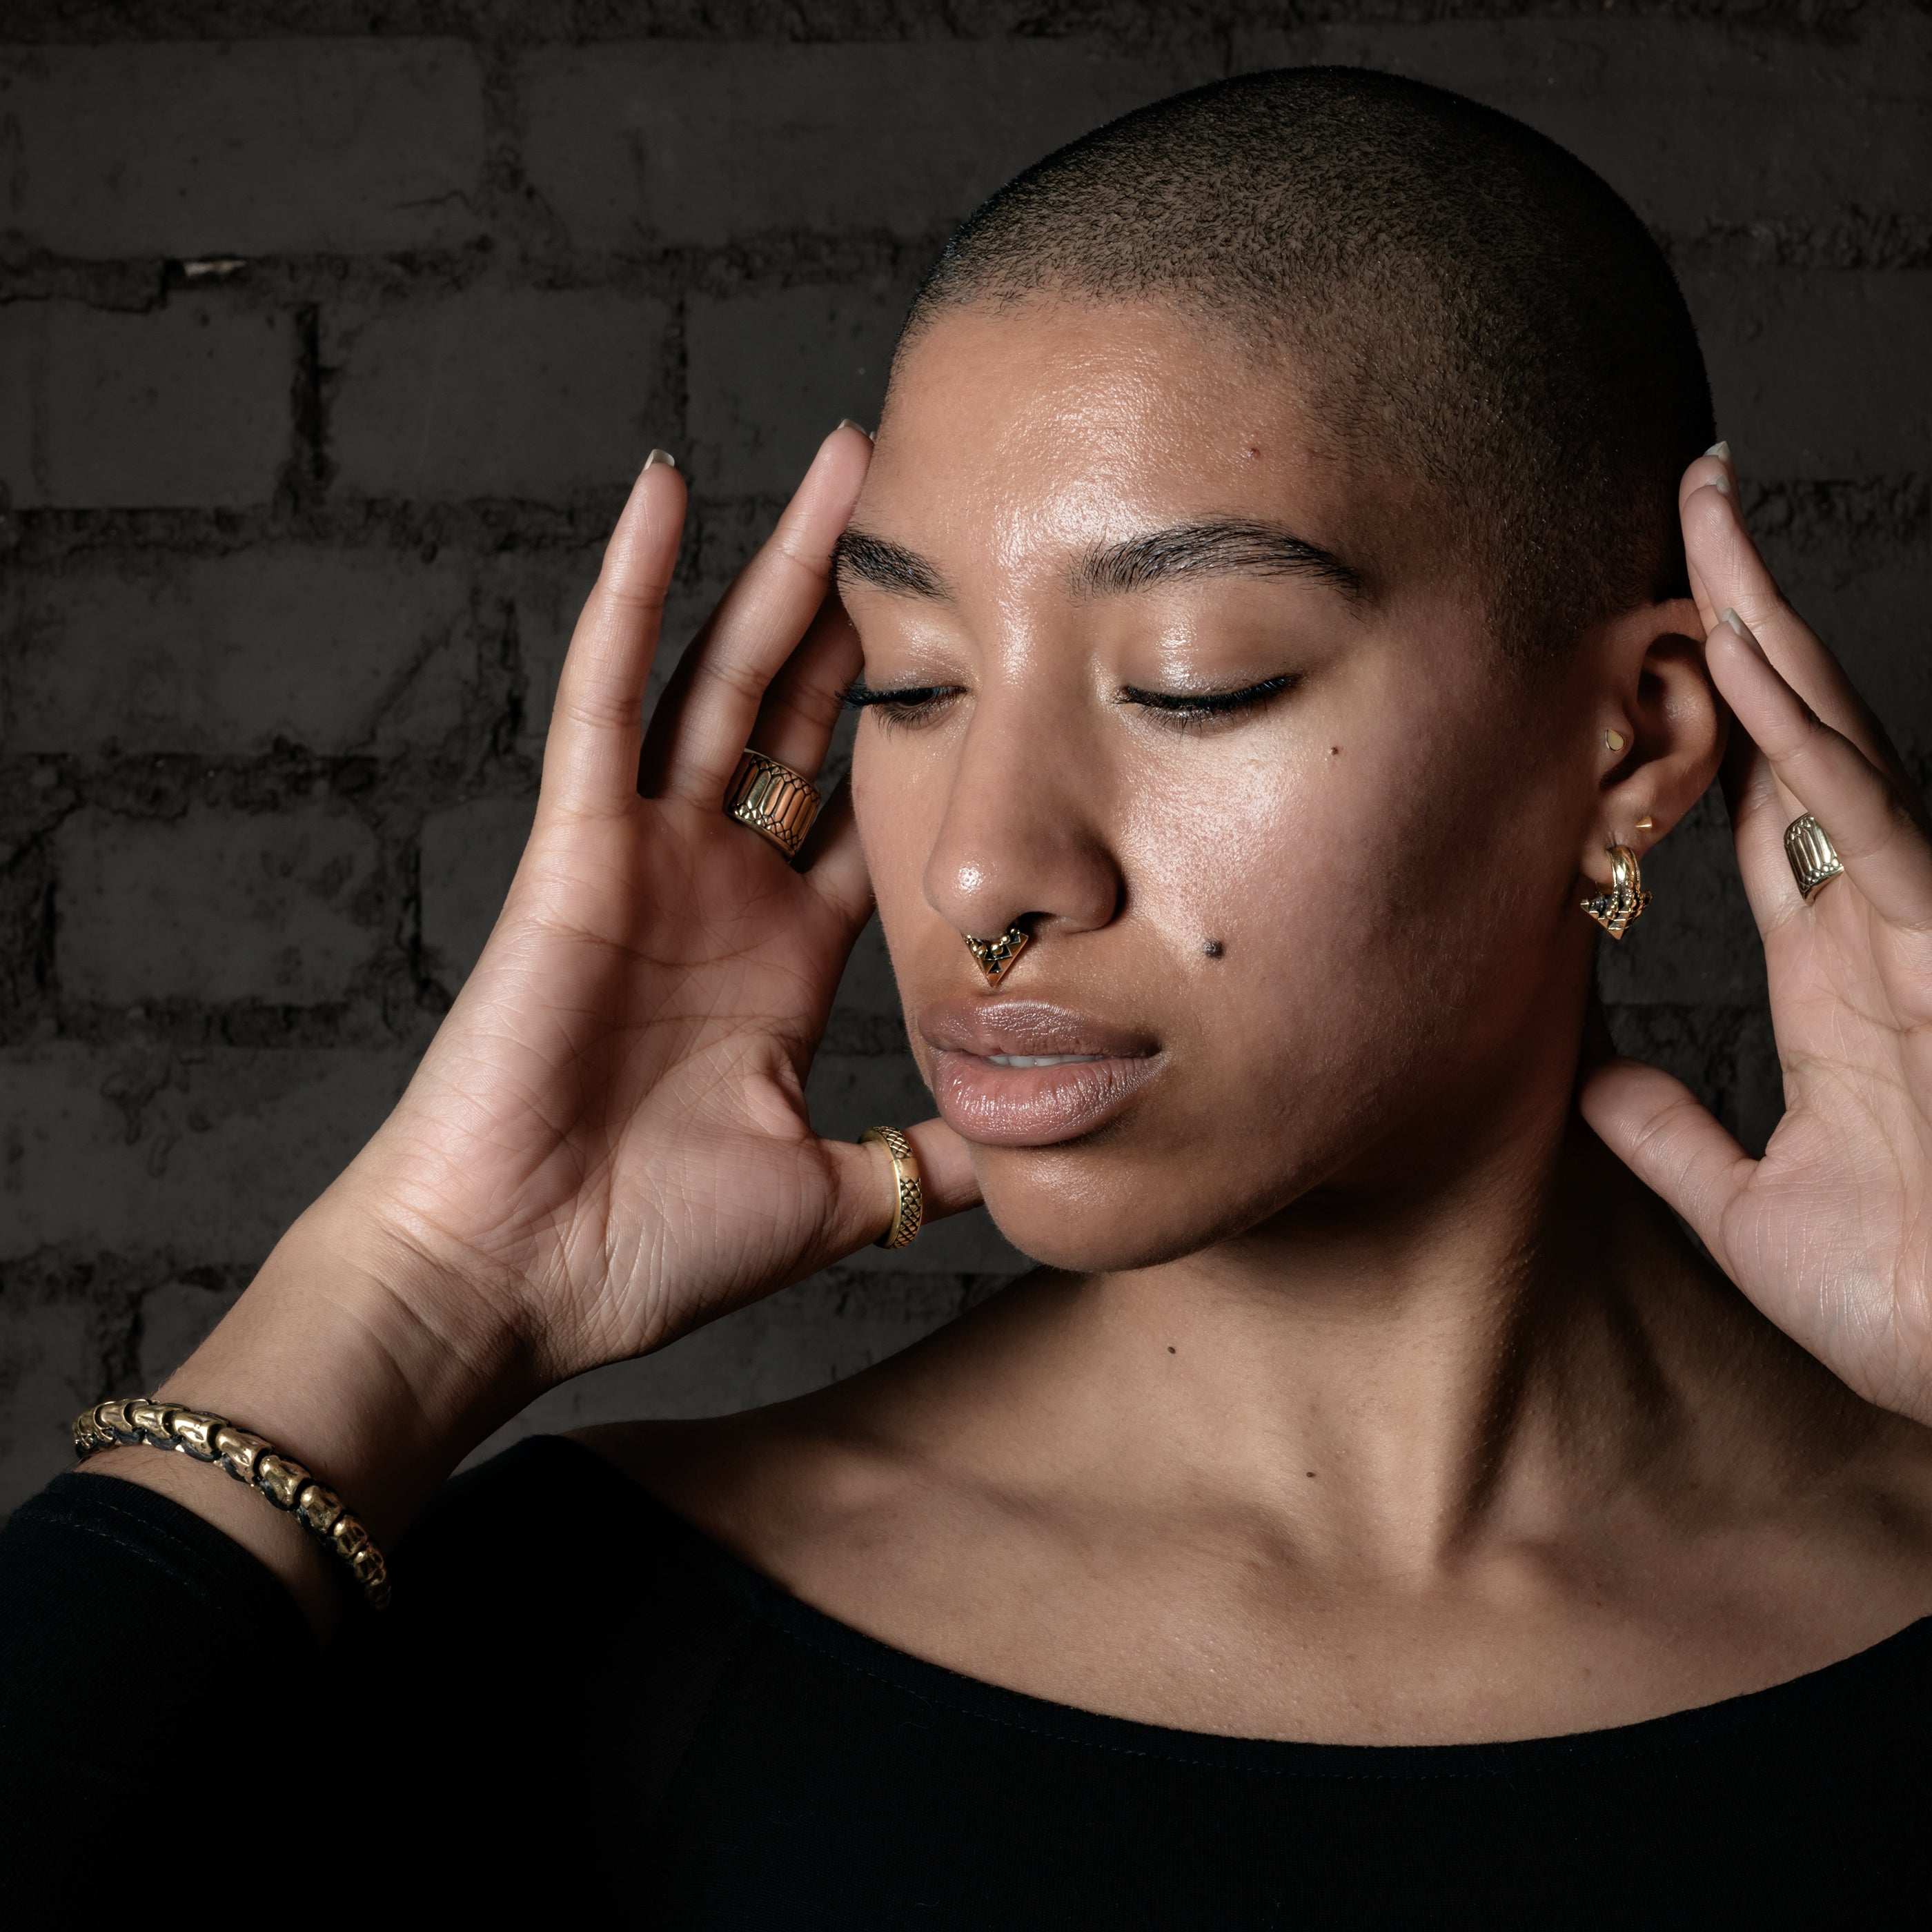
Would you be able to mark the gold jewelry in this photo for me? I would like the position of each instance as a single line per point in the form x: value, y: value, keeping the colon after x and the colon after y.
x: 908, y: 1193
x: 1814, y: 859
x: 141, y: 1423
x: 1625, y: 901
x: 777, y: 803
x: 996, y: 956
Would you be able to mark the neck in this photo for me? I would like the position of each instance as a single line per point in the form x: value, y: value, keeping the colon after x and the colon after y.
x: 1391, y: 1369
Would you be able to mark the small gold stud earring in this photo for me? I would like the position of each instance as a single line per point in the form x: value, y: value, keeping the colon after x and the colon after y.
x: 1646, y: 824
x: 1613, y: 741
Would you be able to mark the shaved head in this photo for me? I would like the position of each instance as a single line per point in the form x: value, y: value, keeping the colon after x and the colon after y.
x: 1456, y: 296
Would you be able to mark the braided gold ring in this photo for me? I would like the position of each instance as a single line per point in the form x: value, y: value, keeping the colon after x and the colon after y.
x: 908, y: 1195
x: 777, y: 803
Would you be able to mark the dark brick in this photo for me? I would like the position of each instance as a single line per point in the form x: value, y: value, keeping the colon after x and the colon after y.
x: 773, y: 373
x: 188, y: 405
x: 336, y: 650
x: 213, y: 907
x: 499, y: 392
x: 270, y: 147
x: 1694, y: 123
x: 209, y: 1153
x: 674, y: 143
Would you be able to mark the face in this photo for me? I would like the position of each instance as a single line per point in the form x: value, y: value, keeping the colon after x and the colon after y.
x: 1215, y: 716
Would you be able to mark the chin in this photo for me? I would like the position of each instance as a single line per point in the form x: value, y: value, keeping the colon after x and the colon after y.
x: 1084, y: 1223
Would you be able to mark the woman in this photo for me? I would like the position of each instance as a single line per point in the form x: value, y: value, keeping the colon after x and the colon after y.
x: 1265, y: 616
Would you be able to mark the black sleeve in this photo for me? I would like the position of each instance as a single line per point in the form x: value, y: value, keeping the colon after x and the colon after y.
x: 508, y: 1727
x: 137, y: 1647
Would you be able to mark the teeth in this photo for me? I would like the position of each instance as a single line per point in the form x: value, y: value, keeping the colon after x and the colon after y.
x: 1042, y: 1059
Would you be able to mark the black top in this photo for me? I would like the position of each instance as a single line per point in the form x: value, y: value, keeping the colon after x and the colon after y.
x: 577, y: 1704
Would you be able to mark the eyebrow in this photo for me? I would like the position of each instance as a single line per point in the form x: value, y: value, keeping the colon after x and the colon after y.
x: 887, y: 566
x: 1215, y: 545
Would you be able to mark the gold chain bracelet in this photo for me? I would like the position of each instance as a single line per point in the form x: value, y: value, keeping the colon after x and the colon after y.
x: 139, y: 1422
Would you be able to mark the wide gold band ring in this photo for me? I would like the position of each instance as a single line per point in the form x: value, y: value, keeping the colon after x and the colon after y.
x: 908, y: 1194
x: 777, y: 803
x: 1814, y: 859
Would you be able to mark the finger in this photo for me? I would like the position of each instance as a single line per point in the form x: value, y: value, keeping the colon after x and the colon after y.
x: 704, y: 720
x: 868, y: 1187
x: 1712, y: 470
x: 834, y: 862
x: 1885, y: 853
x: 805, y: 700
x: 1760, y: 808
x: 1726, y: 562
x: 590, y: 756
x: 1660, y: 1130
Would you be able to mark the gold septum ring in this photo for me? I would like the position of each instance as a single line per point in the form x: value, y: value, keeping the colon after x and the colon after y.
x: 908, y: 1192
x: 777, y: 803
x: 1814, y: 859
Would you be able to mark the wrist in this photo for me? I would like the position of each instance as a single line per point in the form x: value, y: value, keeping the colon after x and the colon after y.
x: 361, y: 1355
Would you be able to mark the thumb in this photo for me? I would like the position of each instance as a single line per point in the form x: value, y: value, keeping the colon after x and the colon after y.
x: 868, y: 1190
x: 1666, y: 1136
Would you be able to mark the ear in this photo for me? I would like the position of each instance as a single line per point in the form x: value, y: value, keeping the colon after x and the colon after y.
x: 1658, y: 729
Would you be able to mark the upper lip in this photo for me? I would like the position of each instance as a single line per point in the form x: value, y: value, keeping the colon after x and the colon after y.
x: 1028, y: 1026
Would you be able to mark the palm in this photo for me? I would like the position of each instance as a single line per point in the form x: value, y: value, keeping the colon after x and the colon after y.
x: 612, y: 1118
x: 1831, y: 1232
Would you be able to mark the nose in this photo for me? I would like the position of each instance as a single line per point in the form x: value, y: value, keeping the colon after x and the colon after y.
x: 1024, y: 840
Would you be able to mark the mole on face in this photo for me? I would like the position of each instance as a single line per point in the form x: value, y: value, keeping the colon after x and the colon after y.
x: 1213, y: 948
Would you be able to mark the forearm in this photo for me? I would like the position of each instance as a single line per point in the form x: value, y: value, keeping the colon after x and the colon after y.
x: 355, y: 1354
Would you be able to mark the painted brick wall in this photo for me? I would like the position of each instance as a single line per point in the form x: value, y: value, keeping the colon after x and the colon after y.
x: 330, y: 337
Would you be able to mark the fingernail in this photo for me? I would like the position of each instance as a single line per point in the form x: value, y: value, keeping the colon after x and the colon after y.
x: 1721, y: 484
x: 847, y: 422
x: 1744, y: 631
x: 663, y: 456
x: 1722, y: 450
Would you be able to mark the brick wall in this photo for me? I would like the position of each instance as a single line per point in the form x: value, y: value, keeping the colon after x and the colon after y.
x: 329, y: 340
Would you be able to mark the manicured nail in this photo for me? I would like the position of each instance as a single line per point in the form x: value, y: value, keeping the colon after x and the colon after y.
x: 1721, y: 450
x: 1744, y: 631
x: 663, y: 456
x: 847, y: 422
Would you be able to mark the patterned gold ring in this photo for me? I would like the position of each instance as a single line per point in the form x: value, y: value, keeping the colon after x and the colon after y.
x: 777, y: 803
x: 1814, y: 859
x: 908, y: 1195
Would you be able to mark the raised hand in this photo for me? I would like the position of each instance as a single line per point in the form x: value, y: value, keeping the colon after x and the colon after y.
x: 608, y: 1138
x: 1830, y: 1234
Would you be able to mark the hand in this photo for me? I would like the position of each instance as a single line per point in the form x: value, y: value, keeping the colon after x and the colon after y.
x: 609, y: 1135
x: 1830, y: 1234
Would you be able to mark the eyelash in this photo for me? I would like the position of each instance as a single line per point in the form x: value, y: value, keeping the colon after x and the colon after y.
x: 1180, y: 710
x: 912, y: 706
x: 1183, y: 710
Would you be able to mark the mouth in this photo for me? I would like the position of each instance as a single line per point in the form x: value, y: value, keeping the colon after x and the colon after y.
x: 1028, y: 1074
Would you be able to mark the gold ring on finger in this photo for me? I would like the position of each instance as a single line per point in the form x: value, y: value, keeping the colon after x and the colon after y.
x: 908, y: 1193
x: 1814, y: 859
x: 777, y: 803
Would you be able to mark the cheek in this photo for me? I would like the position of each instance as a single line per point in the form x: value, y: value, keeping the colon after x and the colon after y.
x: 895, y: 805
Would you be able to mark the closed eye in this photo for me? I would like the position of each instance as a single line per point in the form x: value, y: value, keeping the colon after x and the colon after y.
x: 1183, y: 708
x: 910, y: 704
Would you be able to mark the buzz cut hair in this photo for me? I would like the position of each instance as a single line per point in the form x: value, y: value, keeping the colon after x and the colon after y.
x: 1453, y: 293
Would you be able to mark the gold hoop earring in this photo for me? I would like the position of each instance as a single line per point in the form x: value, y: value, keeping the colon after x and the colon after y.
x: 1625, y: 901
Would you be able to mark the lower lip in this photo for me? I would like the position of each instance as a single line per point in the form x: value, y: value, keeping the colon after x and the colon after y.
x: 1033, y: 1106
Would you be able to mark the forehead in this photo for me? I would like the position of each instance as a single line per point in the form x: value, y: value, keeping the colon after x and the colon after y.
x: 1030, y: 428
